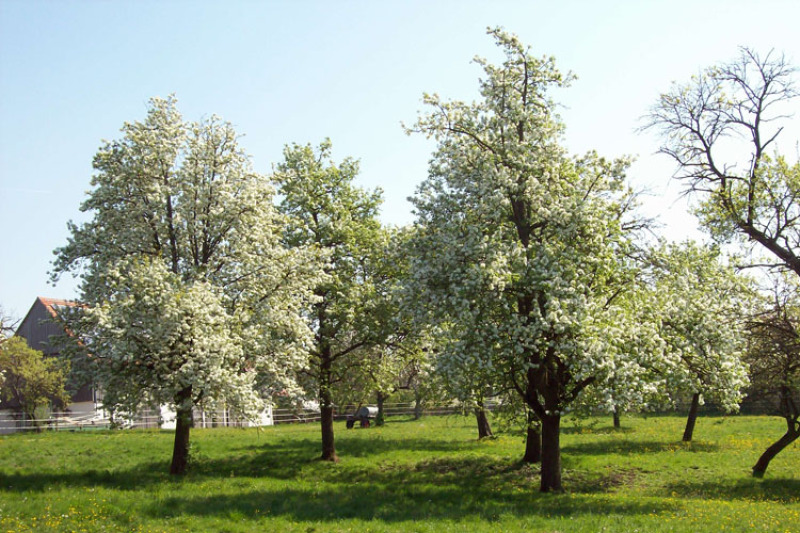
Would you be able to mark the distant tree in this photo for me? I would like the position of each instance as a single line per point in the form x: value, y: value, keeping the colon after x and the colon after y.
x: 401, y: 346
x: 774, y: 358
x: 7, y: 325
x: 426, y: 385
x: 331, y: 214
x: 638, y: 381
x: 691, y: 310
x: 701, y: 306
x: 190, y: 295
x: 30, y: 379
x: 464, y: 377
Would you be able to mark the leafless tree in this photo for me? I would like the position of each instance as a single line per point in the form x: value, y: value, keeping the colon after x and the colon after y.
x: 721, y: 129
x: 8, y: 325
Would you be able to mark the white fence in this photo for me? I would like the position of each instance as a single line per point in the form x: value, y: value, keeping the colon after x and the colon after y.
x: 295, y: 416
x: 147, y: 419
x: 13, y: 423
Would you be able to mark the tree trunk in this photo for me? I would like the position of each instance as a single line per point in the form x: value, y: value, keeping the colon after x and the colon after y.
x: 533, y: 445
x: 551, y: 453
x: 791, y: 414
x: 326, y: 411
x: 617, y: 424
x: 328, y: 447
x: 183, y: 425
x: 417, y: 405
x: 533, y: 440
x: 112, y: 420
x: 484, y: 429
x: 31, y: 416
x: 690, y: 422
x: 379, y: 418
x: 792, y: 433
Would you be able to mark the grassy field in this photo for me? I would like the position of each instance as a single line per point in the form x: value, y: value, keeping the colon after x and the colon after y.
x: 428, y: 475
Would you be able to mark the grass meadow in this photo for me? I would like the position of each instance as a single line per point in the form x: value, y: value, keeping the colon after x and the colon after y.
x: 427, y: 475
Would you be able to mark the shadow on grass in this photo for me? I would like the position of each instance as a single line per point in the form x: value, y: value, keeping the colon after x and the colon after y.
x: 277, y: 459
x: 594, y: 429
x: 629, y: 447
x: 366, y: 504
x: 447, y: 488
x: 775, y: 490
x: 392, y: 420
x: 442, y: 464
x: 141, y: 476
x: 285, y: 458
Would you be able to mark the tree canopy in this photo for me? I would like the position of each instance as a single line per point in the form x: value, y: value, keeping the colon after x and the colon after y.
x: 30, y: 380
x: 521, y: 252
x: 181, y: 225
x: 329, y: 213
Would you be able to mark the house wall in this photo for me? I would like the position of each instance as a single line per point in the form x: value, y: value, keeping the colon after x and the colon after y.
x: 37, y: 328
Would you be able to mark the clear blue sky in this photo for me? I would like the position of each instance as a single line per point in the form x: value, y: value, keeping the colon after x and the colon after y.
x: 72, y: 72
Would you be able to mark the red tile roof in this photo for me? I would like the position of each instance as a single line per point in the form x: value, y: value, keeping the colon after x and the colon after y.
x: 52, y: 304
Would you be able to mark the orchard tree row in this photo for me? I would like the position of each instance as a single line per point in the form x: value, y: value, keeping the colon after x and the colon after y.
x: 528, y: 275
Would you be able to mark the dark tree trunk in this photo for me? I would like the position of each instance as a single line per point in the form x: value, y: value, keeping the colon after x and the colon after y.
x: 792, y: 416
x: 533, y: 445
x: 484, y: 429
x: 31, y: 416
x: 789, y: 437
x: 326, y: 410
x: 690, y: 422
x: 325, y: 382
x: 417, y: 405
x: 617, y: 424
x: 380, y: 417
x: 551, y: 453
x: 114, y: 424
x: 183, y: 426
x: 328, y: 447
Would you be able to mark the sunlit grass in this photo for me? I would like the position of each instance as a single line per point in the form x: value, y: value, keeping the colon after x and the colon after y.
x: 430, y: 475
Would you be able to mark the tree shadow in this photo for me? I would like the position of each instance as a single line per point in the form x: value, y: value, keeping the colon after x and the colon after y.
x: 453, y: 488
x: 629, y: 447
x: 364, y: 503
x: 281, y: 459
x: 774, y: 490
x: 286, y: 459
x: 592, y: 429
x: 392, y: 420
x: 442, y: 464
x: 141, y: 476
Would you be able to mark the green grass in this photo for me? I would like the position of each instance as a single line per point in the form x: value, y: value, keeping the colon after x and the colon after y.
x: 430, y: 475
